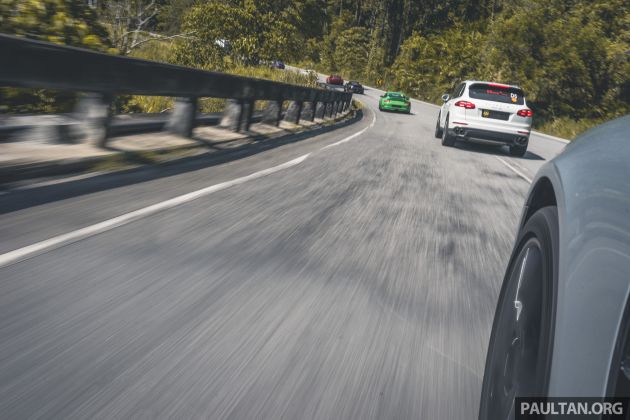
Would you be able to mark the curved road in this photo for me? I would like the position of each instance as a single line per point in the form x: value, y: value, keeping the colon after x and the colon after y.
x: 358, y: 282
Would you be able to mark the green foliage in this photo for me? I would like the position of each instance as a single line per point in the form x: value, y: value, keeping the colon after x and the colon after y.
x: 160, y: 50
x: 566, y: 127
x: 254, y: 30
x: 147, y: 104
x: 428, y: 66
x: 564, y: 57
x: 69, y: 22
x: 264, y: 72
x: 171, y: 15
x: 352, y: 52
x: 572, y: 61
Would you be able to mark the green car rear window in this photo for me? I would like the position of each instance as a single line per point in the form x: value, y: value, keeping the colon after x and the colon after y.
x: 396, y: 96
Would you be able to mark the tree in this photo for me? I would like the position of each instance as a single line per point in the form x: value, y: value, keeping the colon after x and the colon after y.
x: 69, y: 22
x: 171, y: 14
x: 428, y: 66
x: 352, y: 52
x: 127, y: 20
x: 565, y: 56
x: 247, y: 31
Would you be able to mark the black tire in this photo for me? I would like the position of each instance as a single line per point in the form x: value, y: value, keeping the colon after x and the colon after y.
x: 519, y: 353
x: 447, y: 139
x: 518, y: 151
x: 438, y: 129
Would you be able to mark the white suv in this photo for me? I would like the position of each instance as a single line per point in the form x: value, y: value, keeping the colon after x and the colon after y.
x: 486, y: 112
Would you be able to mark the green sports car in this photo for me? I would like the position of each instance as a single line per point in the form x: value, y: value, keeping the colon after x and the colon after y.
x: 394, y: 101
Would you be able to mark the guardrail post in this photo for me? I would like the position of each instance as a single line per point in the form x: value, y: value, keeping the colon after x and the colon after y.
x: 329, y: 110
x: 94, y: 112
x: 308, y: 111
x: 335, y: 108
x: 273, y: 113
x: 320, y: 110
x: 237, y: 114
x: 182, y: 119
x: 293, y: 112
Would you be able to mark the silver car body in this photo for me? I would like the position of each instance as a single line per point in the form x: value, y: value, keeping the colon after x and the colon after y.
x: 590, y: 181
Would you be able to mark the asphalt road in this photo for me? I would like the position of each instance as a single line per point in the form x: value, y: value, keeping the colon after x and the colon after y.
x: 358, y: 283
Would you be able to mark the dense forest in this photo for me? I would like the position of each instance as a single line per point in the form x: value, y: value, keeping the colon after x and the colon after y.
x: 572, y: 57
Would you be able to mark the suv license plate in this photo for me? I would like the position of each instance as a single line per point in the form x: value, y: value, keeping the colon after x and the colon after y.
x: 497, y: 115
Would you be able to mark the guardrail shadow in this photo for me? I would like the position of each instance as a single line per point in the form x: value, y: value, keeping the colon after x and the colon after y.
x: 16, y: 200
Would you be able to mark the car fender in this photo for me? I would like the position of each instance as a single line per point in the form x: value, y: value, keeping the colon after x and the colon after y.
x: 589, y: 180
x: 443, y: 113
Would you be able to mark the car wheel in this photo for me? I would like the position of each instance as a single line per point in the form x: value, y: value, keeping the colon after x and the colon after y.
x: 519, y: 353
x: 438, y: 129
x: 447, y: 139
x: 518, y: 151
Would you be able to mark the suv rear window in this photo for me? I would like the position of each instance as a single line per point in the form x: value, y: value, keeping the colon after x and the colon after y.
x: 496, y: 93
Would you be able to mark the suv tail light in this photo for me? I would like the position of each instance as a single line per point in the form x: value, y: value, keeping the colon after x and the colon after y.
x: 465, y: 104
x: 525, y: 113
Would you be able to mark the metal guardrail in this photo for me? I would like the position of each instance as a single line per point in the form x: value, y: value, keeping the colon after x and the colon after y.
x: 35, y: 64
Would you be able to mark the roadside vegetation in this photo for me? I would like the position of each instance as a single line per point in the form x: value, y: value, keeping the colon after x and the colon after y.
x: 571, y: 57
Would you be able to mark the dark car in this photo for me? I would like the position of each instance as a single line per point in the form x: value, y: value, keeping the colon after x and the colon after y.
x: 354, y: 87
x: 277, y: 64
x: 333, y: 79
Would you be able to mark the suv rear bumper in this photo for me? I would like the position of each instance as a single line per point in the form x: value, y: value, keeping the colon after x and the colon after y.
x: 488, y: 136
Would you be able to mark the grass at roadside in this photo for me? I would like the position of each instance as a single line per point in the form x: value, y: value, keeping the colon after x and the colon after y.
x: 567, y: 128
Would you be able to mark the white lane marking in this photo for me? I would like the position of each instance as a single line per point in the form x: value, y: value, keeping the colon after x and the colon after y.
x: 357, y: 134
x: 77, y: 235
x: 518, y: 166
x: 516, y: 171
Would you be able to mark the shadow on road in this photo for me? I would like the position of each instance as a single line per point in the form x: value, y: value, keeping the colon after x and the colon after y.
x: 22, y: 199
x: 494, y: 150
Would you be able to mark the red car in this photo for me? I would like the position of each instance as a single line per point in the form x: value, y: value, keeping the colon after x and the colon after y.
x: 333, y: 79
